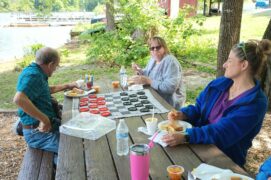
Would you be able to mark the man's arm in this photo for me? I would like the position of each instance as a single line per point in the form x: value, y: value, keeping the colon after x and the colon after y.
x: 21, y: 100
x: 62, y: 87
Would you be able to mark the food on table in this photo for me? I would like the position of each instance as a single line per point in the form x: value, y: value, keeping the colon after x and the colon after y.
x: 75, y: 92
x: 115, y: 84
x: 171, y: 127
x: 175, y: 172
x: 235, y: 178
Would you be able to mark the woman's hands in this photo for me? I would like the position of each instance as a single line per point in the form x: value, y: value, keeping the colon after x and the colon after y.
x: 140, y: 80
x: 136, y: 68
x: 176, y: 115
x: 173, y: 139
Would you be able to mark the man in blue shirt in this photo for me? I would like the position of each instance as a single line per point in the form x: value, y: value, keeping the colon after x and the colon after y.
x: 33, y: 96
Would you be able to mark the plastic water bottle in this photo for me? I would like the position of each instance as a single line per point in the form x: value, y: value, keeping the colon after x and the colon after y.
x: 122, y: 138
x: 123, y: 77
x: 122, y: 73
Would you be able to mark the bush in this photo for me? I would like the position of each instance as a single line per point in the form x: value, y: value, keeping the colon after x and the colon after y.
x: 128, y: 42
x: 29, y: 56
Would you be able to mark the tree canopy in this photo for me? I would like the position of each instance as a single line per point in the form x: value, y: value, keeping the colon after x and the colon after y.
x: 46, y: 6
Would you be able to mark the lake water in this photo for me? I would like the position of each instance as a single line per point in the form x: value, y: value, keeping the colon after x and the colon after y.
x: 14, y: 40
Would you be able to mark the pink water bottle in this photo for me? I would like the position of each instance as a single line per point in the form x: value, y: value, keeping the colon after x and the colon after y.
x: 139, y: 161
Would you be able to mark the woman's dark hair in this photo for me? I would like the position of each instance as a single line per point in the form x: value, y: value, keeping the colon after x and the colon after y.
x: 160, y: 41
x: 46, y: 55
x: 255, y: 52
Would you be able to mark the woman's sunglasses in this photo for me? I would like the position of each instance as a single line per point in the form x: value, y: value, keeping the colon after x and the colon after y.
x: 157, y: 48
x: 242, y: 45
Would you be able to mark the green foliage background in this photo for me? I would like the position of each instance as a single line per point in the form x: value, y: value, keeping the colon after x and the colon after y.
x: 139, y: 21
x: 48, y: 6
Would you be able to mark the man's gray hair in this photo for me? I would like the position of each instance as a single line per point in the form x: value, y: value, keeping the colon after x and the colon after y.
x: 46, y: 55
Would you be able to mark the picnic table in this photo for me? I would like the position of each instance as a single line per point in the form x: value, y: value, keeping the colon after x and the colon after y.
x: 87, y: 159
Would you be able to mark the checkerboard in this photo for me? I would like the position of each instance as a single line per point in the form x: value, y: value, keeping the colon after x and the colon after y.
x: 127, y: 104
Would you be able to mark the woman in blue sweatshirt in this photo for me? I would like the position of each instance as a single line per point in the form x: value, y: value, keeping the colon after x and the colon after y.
x: 229, y: 112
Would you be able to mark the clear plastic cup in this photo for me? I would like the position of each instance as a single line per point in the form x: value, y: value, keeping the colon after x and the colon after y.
x: 175, y: 172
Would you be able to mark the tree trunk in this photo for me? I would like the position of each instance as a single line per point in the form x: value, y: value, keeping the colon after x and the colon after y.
x: 266, y: 74
x: 110, y: 15
x: 229, y: 31
x: 267, y: 33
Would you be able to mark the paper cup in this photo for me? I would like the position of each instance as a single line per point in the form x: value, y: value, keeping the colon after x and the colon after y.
x: 151, y: 124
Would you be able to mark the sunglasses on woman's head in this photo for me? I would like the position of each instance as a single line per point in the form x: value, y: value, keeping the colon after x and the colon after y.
x: 157, y: 48
x: 242, y: 45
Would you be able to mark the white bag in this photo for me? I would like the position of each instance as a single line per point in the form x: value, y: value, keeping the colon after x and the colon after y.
x: 88, y: 126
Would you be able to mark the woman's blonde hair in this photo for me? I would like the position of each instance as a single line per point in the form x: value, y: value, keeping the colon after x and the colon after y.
x: 160, y: 41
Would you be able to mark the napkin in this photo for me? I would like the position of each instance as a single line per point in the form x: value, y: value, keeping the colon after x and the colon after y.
x: 135, y: 87
x: 208, y: 172
x: 158, y: 138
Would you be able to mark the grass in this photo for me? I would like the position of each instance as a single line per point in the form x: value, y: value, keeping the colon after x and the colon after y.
x: 201, y: 53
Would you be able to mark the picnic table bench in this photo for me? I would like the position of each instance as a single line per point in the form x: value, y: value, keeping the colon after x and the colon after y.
x: 37, y: 165
x: 86, y: 159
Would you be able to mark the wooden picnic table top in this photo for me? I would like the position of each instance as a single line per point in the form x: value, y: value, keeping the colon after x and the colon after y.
x: 82, y: 159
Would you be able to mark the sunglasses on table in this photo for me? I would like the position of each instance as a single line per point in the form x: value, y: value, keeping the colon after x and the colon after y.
x: 242, y: 45
x: 157, y: 48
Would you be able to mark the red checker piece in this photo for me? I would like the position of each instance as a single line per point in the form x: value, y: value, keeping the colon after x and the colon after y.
x: 100, y: 98
x: 101, y: 102
x: 94, y: 111
x: 93, y: 106
x: 84, y: 99
x: 92, y: 96
x: 83, y: 109
x: 93, y: 101
x: 103, y: 109
x: 105, y: 114
x: 84, y: 103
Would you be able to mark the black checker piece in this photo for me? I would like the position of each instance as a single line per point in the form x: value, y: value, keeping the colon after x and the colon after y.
x: 140, y: 93
x: 145, y: 102
x: 149, y: 106
x: 132, y: 95
x: 134, y: 100
x: 127, y: 103
x: 138, y: 105
x: 124, y: 94
x: 132, y: 108
x: 143, y: 97
x: 125, y: 99
x: 144, y: 110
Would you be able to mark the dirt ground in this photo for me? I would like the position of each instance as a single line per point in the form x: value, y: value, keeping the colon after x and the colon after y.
x: 12, y: 148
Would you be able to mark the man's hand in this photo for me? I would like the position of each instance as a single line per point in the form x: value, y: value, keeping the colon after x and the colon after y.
x: 173, y: 139
x: 45, y: 125
x: 72, y: 85
x: 58, y: 88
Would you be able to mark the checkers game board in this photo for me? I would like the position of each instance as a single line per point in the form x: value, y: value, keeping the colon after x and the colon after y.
x: 119, y: 104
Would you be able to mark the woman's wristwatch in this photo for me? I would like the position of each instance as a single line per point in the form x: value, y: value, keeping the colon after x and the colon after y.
x: 186, y: 138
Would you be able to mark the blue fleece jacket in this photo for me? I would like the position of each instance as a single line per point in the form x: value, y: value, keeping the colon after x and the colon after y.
x: 265, y: 170
x: 239, y: 124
